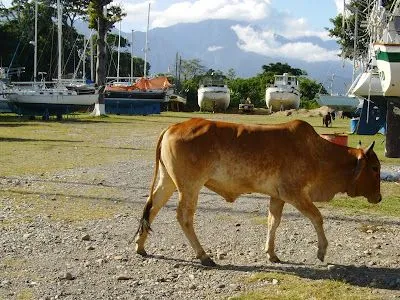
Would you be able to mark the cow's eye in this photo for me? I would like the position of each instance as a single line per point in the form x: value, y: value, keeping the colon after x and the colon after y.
x: 375, y: 169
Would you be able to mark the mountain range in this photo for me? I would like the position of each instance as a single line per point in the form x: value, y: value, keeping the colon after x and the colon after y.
x: 217, y: 46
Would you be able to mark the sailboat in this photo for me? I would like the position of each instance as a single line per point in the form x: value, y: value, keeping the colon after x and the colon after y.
x: 43, y: 101
x: 213, y: 94
x: 379, y: 82
x: 283, y: 94
x: 141, y: 97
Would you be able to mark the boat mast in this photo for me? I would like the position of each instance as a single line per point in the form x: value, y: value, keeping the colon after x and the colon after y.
x: 146, y: 46
x: 59, y: 22
x: 132, y: 58
x: 91, y: 59
x: 35, y: 43
x: 355, y: 44
x: 119, y: 49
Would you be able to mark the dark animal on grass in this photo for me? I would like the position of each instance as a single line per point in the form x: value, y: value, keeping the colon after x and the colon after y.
x: 348, y: 114
x: 289, y: 162
x: 327, y: 119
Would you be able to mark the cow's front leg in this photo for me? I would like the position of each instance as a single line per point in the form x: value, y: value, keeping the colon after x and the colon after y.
x: 308, y: 209
x: 274, y: 218
x: 185, y: 213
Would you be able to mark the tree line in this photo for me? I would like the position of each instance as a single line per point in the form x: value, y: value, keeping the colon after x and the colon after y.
x: 192, y: 72
x: 17, y: 33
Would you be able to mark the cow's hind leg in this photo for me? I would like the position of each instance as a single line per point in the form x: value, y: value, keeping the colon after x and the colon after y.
x: 274, y: 218
x: 185, y: 214
x: 162, y: 193
x: 308, y: 209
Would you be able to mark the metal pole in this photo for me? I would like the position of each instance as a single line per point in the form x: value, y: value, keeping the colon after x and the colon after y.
x: 355, y: 45
x: 84, y: 59
x: 35, y: 43
x: 132, y: 58
x: 59, y: 17
x: 91, y: 59
x: 119, y: 49
x: 146, y: 46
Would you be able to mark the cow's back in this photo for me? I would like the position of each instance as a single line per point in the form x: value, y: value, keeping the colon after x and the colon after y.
x: 233, y: 159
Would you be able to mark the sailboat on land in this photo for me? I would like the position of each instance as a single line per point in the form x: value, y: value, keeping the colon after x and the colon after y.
x: 140, y: 97
x: 57, y: 100
x: 213, y: 94
x: 283, y: 94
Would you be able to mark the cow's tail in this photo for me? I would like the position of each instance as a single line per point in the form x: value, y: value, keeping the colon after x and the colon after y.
x: 144, y: 224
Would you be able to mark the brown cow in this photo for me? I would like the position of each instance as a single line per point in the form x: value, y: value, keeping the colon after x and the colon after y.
x: 289, y: 162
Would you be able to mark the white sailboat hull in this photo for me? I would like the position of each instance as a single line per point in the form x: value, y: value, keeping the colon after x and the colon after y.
x: 51, y: 98
x: 388, y: 62
x: 368, y: 83
x: 277, y: 98
x: 48, y: 102
x: 213, y: 97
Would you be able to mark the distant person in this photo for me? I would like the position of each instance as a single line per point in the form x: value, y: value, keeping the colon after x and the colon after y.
x: 248, y: 101
x: 327, y: 120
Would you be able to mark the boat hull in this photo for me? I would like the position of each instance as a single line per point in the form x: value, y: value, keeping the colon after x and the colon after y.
x: 344, y: 103
x: 135, y: 95
x: 368, y: 84
x: 44, y: 103
x: 134, y: 102
x: 278, y: 99
x: 388, y: 62
x: 213, y: 97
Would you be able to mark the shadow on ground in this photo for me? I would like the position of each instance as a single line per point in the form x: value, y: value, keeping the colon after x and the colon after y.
x: 361, y: 276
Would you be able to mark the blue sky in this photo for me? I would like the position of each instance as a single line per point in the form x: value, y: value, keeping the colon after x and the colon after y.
x: 315, y: 12
x: 291, y: 19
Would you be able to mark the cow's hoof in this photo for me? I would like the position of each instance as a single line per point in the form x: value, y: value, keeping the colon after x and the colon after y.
x: 321, y: 255
x: 141, y: 252
x: 274, y: 259
x: 208, y: 262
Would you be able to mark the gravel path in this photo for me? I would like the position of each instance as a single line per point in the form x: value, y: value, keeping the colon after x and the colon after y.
x: 94, y: 259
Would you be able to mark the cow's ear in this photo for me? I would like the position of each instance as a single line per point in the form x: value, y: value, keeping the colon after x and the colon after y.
x: 369, y: 148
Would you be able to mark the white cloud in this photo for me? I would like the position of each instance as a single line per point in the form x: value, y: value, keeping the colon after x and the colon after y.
x: 339, y: 5
x: 214, y: 48
x: 292, y: 28
x: 265, y: 43
x: 199, y: 10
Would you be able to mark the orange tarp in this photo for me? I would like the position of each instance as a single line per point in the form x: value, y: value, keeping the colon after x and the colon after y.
x: 158, y: 83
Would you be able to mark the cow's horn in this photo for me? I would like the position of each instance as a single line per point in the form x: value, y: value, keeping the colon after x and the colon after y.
x: 359, y: 144
x: 369, y: 148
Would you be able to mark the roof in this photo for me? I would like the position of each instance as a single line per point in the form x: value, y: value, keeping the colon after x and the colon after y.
x: 338, y: 101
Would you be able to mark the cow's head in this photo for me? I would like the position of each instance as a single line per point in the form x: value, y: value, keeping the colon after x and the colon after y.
x: 367, y: 176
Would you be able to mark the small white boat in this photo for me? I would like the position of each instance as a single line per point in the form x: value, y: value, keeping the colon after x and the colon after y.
x: 283, y: 94
x: 213, y: 94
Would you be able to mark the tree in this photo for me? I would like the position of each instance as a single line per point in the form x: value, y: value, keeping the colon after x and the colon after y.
x: 191, y: 68
x: 344, y: 29
x: 102, y: 17
x: 309, y: 89
x: 17, y: 27
x: 231, y: 74
x: 280, y: 68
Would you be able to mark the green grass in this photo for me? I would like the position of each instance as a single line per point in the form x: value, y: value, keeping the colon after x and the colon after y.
x: 43, y: 148
x: 37, y: 147
x: 390, y: 205
x: 291, y: 287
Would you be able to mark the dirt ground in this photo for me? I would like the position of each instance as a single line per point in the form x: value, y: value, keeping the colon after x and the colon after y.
x: 72, y: 241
